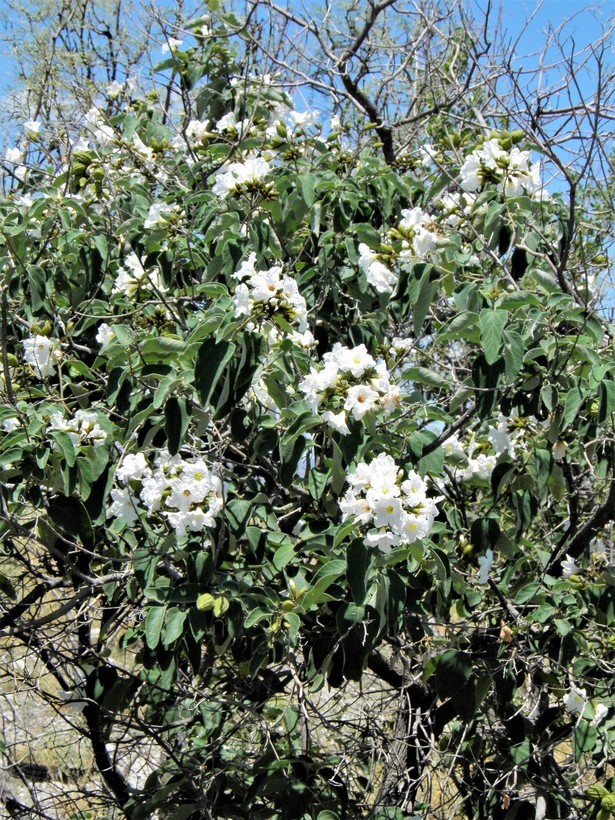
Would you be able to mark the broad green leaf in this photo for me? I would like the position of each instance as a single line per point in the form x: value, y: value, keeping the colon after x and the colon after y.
x: 492, y: 323
x: 153, y: 625
x: 422, y: 375
x: 572, y: 404
x: 585, y: 737
x: 452, y: 672
x: 176, y: 421
x: 211, y: 361
x: 283, y: 555
x: 174, y: 625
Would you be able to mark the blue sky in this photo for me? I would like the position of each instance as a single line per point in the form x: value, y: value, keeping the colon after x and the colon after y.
x: 584, y: 26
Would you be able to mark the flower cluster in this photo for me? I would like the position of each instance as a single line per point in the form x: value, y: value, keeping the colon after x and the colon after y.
x: 349, y: 382
x: 40, y: 352
x: 181, y: 491
x: 240, y: 177
x: 270, y: 295
x: 511, y: 171
x: 393, y: 510
x: 133, y: 278
x: 414, y: 240
x: 83, y: 428
x: 476, y: 459
x: 160, y: 214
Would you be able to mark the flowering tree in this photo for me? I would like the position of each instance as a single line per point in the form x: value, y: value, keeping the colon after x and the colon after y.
x: 307, y: 458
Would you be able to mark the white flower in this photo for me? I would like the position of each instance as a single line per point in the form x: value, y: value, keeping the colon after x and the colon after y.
x: 415, y: 527
x: 266, y: 284
x: 388, y: 512
x: 32, y: 128
x: 8, y: 425
x: 197, y: 131
x: 354, y: 360
x: 239, y: 175
x: 335, y: 124
x: 269, y: 293
x: 303, y: 119
x: 569, y: 567
x: 83, y: 428
x: 24, y: 201
x: 559, y: 450
x: 114, y: 90
x: 153, y: 488
x: 305, y: 339
x: 337, y: 421
x: 511, y: 171
x: 133, y: 467
x: 480, y: 468
x: 392, y: 399
x: 40, y: 352
x: 471, y: 177
x: 575, y: 701
x: 133, y: 278
x: 171, y: 45
x: 453, y: 447
x: 159, y: 214
x: 230, y: 123
x: 376, y: 272
x: 105, y: 334
x: 360, y: 400
x: 601, y: 711
x: 484, y: 563
x: 247, y: 267
x: 398, y: 511
x: 383, y: 539
x: 14, y: 155
x: 104, y: 135
x: 401, y: 346
x: 242, y: 300
x: 500, y: 438
x: 123, y: 506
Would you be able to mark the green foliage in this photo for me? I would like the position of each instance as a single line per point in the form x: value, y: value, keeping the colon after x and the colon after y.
x: 217, y: 339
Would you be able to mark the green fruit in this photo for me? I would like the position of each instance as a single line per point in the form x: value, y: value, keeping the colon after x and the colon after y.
x: 596, y: 792
x: 608, y: 803
x: 205, y: 602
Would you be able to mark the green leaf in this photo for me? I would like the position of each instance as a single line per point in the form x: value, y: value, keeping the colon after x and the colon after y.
x: 153, y: 625
x: 174, y: 625
x: 326, y: 575
x: 427, y: 291
x: 517, y: 299
x: 283, y: 555
x: 101, y: 244
x: 161, y: 349
x: 492, y: 323
x: 585, y: 737
x: 454, y: 669
x: 607, y: 400
x: 176, y: 421
x: 71, y: 518
x: 572, y: 404
x: 527, y: 593
x: 521, y: 752
x: 308, y: 185
x: 211, y: 361
x: 514, y: 349
x: 422, y: 375
x: 464, y: 325
x: 359, y: 558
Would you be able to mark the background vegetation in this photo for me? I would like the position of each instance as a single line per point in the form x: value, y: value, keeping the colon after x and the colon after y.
x: 307, y: 394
